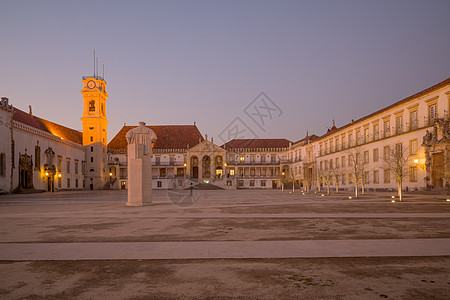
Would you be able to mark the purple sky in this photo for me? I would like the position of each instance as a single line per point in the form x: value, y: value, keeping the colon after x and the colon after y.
x: 173, y: 62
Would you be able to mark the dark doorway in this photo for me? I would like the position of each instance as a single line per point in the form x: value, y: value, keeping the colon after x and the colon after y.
x: 438, y: 170
x: 195, y: 172
x: 25, y: 172
x: 274, y: 184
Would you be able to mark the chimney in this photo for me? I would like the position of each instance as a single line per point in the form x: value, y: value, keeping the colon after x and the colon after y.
x: 31, y: 112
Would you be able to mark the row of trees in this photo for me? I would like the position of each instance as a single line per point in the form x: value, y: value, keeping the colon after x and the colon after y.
x: 395, y: 160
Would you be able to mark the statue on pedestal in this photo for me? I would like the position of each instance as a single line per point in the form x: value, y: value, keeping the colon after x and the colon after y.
x: 139, y: 150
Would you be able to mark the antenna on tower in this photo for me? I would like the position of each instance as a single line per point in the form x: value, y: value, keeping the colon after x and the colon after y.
x: 94, y: 62
x: 97, y: 65
x: 103, y: 72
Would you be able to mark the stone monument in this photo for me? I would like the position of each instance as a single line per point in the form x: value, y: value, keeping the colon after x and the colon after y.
x: 139, y: 149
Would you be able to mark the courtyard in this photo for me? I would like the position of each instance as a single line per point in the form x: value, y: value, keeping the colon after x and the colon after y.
x: 249, y: 244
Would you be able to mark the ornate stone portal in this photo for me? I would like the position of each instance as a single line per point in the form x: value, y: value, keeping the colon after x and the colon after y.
x: 25, y: 172
x: 437, y: 154
x: 140, y: 141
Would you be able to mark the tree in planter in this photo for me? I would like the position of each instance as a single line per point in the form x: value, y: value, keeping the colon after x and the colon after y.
x: 396, y: 161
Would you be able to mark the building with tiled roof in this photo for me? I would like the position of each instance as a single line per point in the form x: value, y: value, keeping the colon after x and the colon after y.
x: 180, y: 137
x: 49, y: 156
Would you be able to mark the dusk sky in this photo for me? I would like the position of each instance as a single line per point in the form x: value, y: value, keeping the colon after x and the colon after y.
x: 173, y: 62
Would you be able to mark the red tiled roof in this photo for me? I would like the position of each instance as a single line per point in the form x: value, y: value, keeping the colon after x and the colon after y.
x: 168, y: 137
x: 256, y: 143
x: 62, y: 131
x: 311, y: 138
x: 47, y: 126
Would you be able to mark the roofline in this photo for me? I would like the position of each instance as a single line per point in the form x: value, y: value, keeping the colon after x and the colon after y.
x: 416, y: 95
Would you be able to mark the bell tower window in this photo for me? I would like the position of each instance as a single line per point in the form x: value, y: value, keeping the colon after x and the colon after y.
x: 92, y: 105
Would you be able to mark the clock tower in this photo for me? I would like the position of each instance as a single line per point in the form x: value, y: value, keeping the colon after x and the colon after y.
x: 95, y: 131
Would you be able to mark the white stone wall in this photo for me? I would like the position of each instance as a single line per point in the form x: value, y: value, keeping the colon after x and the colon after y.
x: 26, y: 138
x: 5, y: 146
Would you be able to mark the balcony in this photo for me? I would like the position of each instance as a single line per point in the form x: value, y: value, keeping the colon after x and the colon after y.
x: 168, y: 163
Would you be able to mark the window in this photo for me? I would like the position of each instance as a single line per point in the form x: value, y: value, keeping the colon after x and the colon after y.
x: 375, y: 155
x: 375, y: 131
x: 331, y: 164
x: 59, y: 164
x: 263, y: 183
x: 387, y: 178
x: 331, y: 146
x: 336, y: 145
x: 413, y: 174
x: 68, y: 182
x: 337, y: 162
x: 386, y: 152
x: 92, y: 138
x: 321, y: 150
x: 358, y: 158
x: 92, y: 159
x: 358, y: 137
x: 252, y: 183
x: 432, y: 111
x: 2, y: 164
x: 398, y: 149
x: 231, y: 172
x: 92, y: 105
x: 366, y: 157
x: 321, y: 165
x: 350, y: 160
x: 162, y: 172
x: 413, y: 147
x: 76, y: 166
x: 37, y: 158
x: 387, y: 129
x: 343, y: 161
x: 366, y: 135
x: 366, y: 177
x: 83, y: 167
x: 76, y: 183
x: 241, y: 183
x: 413, y: 120
x: 68, y: 165
x: 350, y: 140
x: 343, y: 142
x: 399, y: 124
x: 92, y: 149
x: 343, y: 179
x: 159, y: 183
x: 376, y: 176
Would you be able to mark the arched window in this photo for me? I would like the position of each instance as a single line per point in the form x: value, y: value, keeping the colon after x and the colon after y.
x: 92, y: 105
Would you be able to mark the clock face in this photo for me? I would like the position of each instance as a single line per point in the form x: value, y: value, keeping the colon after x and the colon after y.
x: 91, y: 84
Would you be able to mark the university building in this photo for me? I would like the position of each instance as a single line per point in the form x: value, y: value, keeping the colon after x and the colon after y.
x: 40, y: 155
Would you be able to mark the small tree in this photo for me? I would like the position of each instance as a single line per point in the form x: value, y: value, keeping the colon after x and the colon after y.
x: 355, y: 168
x: 397, y: 164
x: 324, y: 177
x: 337, y: 172
x: 307, y: 177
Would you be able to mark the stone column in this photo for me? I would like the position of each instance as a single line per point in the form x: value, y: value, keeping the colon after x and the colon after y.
x: 139, y: 149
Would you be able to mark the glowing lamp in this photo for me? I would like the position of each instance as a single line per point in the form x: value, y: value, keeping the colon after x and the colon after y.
x: 349, y: 197
x: 392, y: 201
x: 110, y: 174
x: 46, y: 173
x: 392, y: 197
x: 416, y: 161
x: 185, y: 165
x: 225, y: 164
x: 323, y: 195
x: 59, y: 175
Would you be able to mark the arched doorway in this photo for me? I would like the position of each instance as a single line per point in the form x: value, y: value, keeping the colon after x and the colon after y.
x: 206, y: 166
x: 194, y: 166
x: 25, y: 172
x: 218, y: 166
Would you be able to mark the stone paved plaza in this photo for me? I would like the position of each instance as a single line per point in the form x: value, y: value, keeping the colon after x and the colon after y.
x: 224, y: 244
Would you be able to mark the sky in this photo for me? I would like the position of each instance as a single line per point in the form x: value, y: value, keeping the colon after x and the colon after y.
x: 266, y: 69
